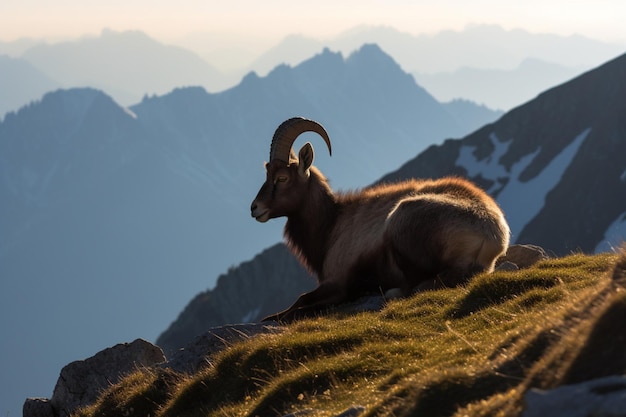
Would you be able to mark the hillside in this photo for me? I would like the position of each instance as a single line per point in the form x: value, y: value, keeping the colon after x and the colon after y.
x: 471, y: 351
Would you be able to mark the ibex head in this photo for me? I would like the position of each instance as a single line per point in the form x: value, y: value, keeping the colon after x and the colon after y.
x: 287, y: 175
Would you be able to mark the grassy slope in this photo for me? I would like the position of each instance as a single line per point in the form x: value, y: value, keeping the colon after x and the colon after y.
x: 464, y: 351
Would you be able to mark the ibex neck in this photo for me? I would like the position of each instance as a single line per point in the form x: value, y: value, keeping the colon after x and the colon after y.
x: 308, y: 231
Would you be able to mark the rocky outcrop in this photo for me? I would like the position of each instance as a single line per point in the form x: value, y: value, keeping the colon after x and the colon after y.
x: 82, y: 381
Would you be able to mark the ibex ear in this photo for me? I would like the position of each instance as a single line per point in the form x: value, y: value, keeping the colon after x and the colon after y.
x: 306, y: 156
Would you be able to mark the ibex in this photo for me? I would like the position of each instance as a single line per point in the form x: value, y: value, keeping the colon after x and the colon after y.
x: 415, y: 234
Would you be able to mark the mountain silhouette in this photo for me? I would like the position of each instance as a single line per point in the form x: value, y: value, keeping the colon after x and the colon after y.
x: 127, y: 65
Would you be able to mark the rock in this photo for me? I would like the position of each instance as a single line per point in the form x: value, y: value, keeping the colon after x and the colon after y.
x: 603, y: 397
x: 80, y: 382
x: 37, y: 407
x: 507, y: 266
x: 195, y: 356
x: 353, y: 411
x: 301, y: 413
x: 524, y: 256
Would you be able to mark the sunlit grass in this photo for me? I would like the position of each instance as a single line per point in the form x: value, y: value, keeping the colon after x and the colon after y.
x: 435, y: 353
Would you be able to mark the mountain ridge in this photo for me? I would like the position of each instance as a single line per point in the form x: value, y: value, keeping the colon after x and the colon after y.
x: 481, y: 47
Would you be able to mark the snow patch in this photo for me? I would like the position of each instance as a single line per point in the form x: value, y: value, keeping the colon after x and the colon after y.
x: 614, y: 236
x: 489, y: 168
x: 129, y: 112
x: 520, y: 201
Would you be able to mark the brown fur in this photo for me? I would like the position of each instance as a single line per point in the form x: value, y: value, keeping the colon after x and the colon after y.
x: 417, y: 233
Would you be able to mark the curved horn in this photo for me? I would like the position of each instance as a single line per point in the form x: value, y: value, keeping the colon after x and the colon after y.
x: 288, y: 131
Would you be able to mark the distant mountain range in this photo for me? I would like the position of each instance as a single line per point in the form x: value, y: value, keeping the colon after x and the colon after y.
x: 479, y: 46
x: 556, y: 166
x: 485, y: 64
x: 126, y: 65
x: 20, y: 83
x: 499, y: 88
x: 112, y: 218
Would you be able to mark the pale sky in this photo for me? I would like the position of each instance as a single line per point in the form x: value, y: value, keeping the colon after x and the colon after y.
x: 273, y: 19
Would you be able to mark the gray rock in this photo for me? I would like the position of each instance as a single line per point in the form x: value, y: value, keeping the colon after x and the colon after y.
x: 524, y: 256
x: 354, y: 411
x: 603, y: 397
x: 507, y: 266
x: 37, y: 407
x: 301, y: 413
x: 196, y: 355
x: 81, y: 382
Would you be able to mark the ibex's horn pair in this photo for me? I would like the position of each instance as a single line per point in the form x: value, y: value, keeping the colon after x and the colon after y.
x: 286, y: 135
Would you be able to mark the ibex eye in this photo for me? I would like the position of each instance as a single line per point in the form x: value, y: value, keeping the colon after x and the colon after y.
x: 281, y: 178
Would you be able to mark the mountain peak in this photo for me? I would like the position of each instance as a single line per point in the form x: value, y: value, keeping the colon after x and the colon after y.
x: 370, y: 55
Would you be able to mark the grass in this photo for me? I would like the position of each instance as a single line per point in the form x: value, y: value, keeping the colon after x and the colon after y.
x: 465, y: 351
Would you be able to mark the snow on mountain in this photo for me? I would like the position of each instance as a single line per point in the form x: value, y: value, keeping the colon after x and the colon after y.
x: 508, y: 188
x: 614, y: 236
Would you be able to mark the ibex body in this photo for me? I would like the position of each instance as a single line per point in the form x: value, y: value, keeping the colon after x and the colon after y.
x: 417, y: 233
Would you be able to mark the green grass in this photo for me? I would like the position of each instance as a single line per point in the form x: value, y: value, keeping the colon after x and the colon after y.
x: 471, y: 351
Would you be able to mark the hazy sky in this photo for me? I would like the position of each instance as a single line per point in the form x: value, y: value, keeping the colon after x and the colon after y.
x: 271, y: 19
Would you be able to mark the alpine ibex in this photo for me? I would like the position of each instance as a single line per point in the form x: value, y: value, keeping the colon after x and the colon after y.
x: 413, y: 234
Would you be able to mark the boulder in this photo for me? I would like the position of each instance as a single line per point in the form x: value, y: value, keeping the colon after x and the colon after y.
x: 603, y: 397
x: 523, y: 256
x: 81, y: 381
x: 37, y: 407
